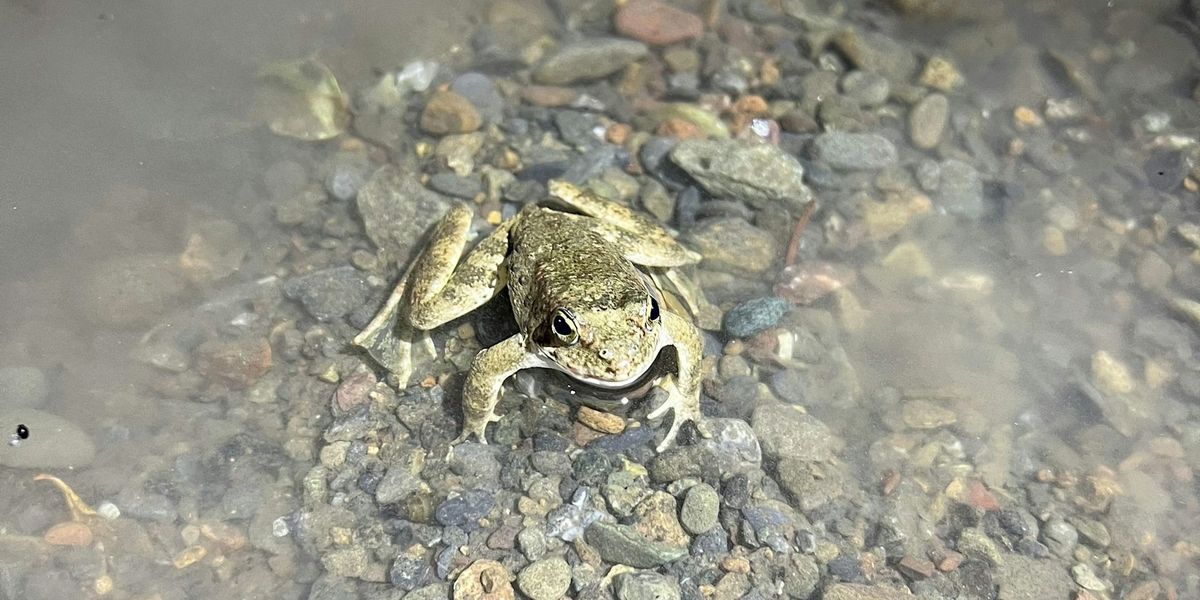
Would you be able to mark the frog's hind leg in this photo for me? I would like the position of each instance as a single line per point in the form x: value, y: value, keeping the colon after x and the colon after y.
x: 441, y: 287
x: 642, y: 241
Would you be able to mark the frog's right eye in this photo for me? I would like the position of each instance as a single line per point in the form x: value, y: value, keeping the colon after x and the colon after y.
x: 564, y: 327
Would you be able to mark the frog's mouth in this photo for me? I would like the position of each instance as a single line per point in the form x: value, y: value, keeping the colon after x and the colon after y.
x: 607, y: 395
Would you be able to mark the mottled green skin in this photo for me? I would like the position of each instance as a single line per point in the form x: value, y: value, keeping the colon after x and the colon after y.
x: 578, y: 265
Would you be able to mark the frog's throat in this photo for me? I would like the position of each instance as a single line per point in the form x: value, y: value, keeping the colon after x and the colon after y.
x: 544, y: 361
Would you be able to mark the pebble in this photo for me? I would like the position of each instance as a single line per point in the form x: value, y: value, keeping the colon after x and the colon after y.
x: 235, y: 363
x: 854, y: 151
x: 960, y: 189
x: 657, y: 23
x: 765, y: 525
x: 869, y: 89
x: 448, y: 112
x: 876, y: 52
x: 396, y: 485
x: 466, y: 187
x: 656, y: 518
x: 700, y: 507
x: 397, y: 210
x: 68, y: 533
x: 546, y: 579
x: 1087, y: 579
x: 760, y: 174
x: 22, y: 387
x: 601, y: 421
x: 483, y: 580
x: 927, y: 121
x: 789, y: 385
x: 329, y: 294
x: 465, y: 510
x: 587, y: 60
x: 785, y: 432
x: 733, y: 245
x: 146, y: 506
x: 533, y: 543
x: 481, y: 92
x: 1153, y: 272
x: 854, y: 591
x: 753, y: 316
x: 733, y: 447
x: 621, y: 544
x: 646, y: 585
x: 347, y: 172
x: 409, y: 572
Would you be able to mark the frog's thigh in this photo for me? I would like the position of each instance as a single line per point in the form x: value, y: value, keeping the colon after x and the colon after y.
x: 481, y: 391
x: 443, y: 288
x: 688, y: 348
x: 643, y: 241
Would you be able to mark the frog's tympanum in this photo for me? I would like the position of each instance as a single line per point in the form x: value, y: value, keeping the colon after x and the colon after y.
x: 582, y: 305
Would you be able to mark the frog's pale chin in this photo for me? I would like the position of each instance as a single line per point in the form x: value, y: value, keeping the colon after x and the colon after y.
x: 634, y: 377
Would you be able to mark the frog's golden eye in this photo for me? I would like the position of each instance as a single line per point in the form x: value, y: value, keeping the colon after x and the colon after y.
x: 563, y: 326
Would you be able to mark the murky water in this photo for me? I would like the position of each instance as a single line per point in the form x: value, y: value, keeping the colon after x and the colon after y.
x: 978, y: 379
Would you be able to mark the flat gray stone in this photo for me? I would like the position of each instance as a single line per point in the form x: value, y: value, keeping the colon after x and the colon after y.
x: 759, y: 174
x: 587, y: 60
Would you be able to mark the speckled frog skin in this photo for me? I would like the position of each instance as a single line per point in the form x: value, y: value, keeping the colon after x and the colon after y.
x: 581, y: 304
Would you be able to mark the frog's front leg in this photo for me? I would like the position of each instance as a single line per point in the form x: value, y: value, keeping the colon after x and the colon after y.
x: 683, y: 387
x: 481, y: 391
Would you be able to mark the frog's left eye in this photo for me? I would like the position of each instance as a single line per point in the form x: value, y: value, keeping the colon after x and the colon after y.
x: 653, y: 308
x: 564, y: 327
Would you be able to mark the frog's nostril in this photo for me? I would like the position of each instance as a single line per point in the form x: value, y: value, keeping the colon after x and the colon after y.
x: 606, y: 353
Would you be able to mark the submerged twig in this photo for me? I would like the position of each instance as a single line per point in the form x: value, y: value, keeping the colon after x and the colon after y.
x: 794, y: 243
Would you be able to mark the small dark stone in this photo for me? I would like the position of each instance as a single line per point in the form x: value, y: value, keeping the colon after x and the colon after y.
x: 713, y: 543
x: 753, y: 316
x: 1165, y: 169
x: 479, y: 90
x: 592, y: 467
x: 329, y: 294
x: 578, y: 128
x: 549, y: 441
x: 1033, y: 548
x: 624, y: 442
x: 1013, y: 523
x: 735, y: 491
x: 408, y: 572
x: 974, y: 579
x: 369, y: 482
x: 465, y: 510
x: 790, y: 385
x: 846, y: 568
x: 765, y: 526
x: 455, y: 185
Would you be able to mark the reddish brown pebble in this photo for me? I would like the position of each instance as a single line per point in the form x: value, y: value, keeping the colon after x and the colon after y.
x: 237, y: 363
x: 548, y: 96
x: 1146, y: 590
x: 353, y: 391
x: 890, y: 481
x: 447, y: 112
x: 617, y: 133
x: 69, y: 533
x: 600, y: 421
x: 949, y: 561
x: 657, y: 23
x: 980, y: 497
x: 679, y: 128
x: 918, y: 568
x: 584, y: 434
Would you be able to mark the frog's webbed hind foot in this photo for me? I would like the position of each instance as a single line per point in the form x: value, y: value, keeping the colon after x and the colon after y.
x: 685, y: 409
x: 477, y: 427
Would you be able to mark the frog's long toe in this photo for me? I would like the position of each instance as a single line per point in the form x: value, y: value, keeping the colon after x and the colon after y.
x: 475, y: 427
x: 682, y: 414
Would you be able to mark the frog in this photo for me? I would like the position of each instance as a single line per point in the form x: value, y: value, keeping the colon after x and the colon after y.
x: 582, y: 292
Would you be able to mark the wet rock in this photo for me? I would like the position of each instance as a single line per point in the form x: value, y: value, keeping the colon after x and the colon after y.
x: 923, y: 414
x: 477, y: 465
x: 396, y: 485
x: 483, y: 580
x: 801, y: 576
x: 1153, y: 272
x: 465, y: 510
x: 733, y: 245
x: 927, y: 121
x: 215, y: 250
x: 397, y: 210
x: 235, y: 363
x: 409, y: 572
x: 448, y: 112
x: 760, y: 174
x: 680, y: 463
x: 810, y: 485
x: 753, y: 316
x: 578, y: 128
x: 853, y: 591
x: 785, y: 432
x: 789, y: 385
x: 1048, y: 155
x: 131, y: 291
x: 854, y: 151
x: 655, y: 518
x: 1022, y: 578
x: 455, y: 185
x: 481, y: 92
x: 22, y: 387
x: 700, y: 507
x: 346, y: 174
x: 588, y: 59
x: 646, y: 585
x: 621, y: 544
x: 329, y: 294
x: 330, y: 587
x: 960, y: 189
x: 533, y: 542
x: 1165, y: 169
x: 872, y: 51
x: 147, y: 506
x: 865, y: 87
x: 52, y: 442
x: 545, y: 579
x: 1060, y: 537
x: 733, y: 448
x: 765, y: 525
x: 657, y: 23
x: 348, y: 561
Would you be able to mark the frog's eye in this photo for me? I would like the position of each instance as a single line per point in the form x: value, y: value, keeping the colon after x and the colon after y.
x: 653, y: 308
x: 564, y: 327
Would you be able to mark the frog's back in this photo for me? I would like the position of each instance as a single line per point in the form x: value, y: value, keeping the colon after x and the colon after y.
x: 555, y: 261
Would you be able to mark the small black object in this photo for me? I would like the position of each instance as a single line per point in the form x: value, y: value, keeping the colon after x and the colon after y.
x: 22, y: 431
x: 653, y: 309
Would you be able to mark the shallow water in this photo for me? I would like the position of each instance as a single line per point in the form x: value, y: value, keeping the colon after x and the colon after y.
x: 1010, y: 363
